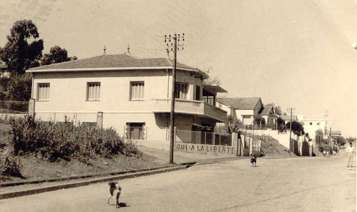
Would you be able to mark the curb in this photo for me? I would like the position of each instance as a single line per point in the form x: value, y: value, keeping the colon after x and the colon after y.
x: 26, y: 182
x: 91, y: 181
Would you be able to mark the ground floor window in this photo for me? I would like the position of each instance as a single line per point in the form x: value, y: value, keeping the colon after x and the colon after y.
x: 135, y: 130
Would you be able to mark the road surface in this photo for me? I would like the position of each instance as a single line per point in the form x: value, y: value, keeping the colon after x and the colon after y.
x: 298, y: 184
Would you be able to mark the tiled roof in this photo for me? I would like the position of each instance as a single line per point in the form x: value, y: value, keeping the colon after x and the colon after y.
x: 119, y: 61
x: 267, y: 109
x: 242, y: 103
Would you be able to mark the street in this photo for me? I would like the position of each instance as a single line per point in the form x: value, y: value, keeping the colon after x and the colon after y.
x: 295, y: 184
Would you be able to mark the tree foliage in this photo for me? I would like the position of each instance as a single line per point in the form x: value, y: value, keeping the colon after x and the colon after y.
x: 23, y: 49
x: 232, y: 124
x: 296, y: 127
x: 17, y: 87
x: 340, y: 140
x: 56, y: 55
x: 280, y: 124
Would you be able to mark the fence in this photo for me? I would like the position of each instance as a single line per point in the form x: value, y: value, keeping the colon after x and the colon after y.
x: 243, y: 144
x: 203, y: 137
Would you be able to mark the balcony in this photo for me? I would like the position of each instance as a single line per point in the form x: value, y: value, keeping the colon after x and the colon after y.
x: 189, y: 107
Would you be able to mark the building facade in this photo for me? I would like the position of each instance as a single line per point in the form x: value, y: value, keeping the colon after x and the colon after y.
x: 128, y: 94
x: 311, y: 126
x: 244, y: 109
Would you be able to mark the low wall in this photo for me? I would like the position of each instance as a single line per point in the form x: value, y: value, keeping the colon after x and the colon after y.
x: 157, y: 144
x: 204, y: 148
x: 283, y: 138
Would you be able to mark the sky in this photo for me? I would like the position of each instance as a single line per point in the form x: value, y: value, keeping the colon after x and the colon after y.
x: 294, y: 53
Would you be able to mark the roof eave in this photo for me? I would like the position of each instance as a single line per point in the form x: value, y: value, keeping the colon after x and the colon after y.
x: 106, y: 69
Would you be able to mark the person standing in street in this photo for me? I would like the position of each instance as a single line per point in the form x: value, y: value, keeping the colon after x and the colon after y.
x: 350, y: 155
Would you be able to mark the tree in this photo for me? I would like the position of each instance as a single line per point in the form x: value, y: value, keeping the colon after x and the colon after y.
x: 232, y: 124
x: 340, y: 140
x: 23, y: 49
x: 56, y: 55
x: 281, y: 124
x: 296, y: 127
x: 351, y: 139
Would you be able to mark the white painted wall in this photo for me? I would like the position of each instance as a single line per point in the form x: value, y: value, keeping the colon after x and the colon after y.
x: 68, y: 92
x: 312, y: 125
x: 225, y: 108
x: 248, y: 114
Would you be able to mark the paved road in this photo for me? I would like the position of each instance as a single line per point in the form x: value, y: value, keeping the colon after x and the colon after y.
x: 299, y: 184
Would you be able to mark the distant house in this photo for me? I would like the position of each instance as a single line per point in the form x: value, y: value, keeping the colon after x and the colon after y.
x: 270, y: 114
x: 129, y: 94
x: 244, y: 109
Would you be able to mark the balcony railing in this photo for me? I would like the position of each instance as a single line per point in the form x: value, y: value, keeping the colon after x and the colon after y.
x: 190, y: 107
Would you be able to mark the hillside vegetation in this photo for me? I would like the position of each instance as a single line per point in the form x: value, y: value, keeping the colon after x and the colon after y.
x: 36, y: 149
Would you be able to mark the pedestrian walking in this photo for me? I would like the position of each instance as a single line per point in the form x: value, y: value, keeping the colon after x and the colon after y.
x: 350, y: 155
x: 253, y: 160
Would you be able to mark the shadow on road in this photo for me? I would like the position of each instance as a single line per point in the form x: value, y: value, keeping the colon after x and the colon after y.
x: 121, y: 204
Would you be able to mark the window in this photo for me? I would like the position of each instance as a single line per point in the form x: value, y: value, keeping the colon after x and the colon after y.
x: 198, y: 93
x: 43, y: 91
x: 211, y: 100
x: 93, y: 91
x: 137, y: 90
x: 181, y: 90
x: 135, y: 130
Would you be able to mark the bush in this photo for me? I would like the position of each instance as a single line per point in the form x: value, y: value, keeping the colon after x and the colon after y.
x: 11, y: 166
x: 65, y: 140
x: 17, y: 87
x: 341, y: 140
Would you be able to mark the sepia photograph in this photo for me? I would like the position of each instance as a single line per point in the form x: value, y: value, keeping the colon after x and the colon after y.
x: 178, y: 105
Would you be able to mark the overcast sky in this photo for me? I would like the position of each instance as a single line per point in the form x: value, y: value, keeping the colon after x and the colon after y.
x: 294, y: 53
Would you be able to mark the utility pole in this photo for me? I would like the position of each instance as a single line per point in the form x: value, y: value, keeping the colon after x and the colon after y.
x: 291, y: 121
x: 173, y: 44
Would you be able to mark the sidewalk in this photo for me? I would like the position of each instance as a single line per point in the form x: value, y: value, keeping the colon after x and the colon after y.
x: 28, y: 189
x: 182, y: 159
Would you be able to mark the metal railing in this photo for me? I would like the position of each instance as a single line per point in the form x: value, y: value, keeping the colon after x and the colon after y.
x: 203, y: 137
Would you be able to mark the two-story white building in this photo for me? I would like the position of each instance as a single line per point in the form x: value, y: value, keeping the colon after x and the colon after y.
x: 129, y: 94
x: 244, y: 109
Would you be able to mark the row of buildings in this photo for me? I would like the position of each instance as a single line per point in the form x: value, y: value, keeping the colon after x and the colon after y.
x: 132, y: 95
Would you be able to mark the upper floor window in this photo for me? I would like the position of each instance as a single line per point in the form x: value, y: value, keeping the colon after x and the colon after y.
x: 137, y: 90
x: 93, y: 91
x: 181, y: 90
x: 43, y: 91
